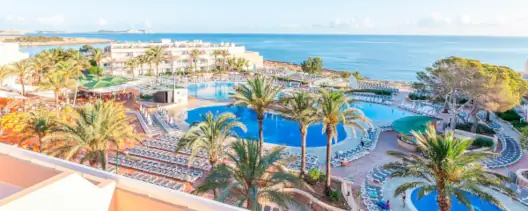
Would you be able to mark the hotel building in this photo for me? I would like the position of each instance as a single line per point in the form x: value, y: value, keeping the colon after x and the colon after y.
x: 178, y: 55
x: 10, y: 52
x: 30, y: 181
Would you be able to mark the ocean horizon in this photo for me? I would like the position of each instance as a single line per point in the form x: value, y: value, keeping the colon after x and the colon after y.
x: 383, y: 57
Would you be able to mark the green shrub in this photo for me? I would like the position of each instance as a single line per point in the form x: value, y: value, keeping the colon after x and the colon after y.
x: 334, y: 195
x: 509, y: 115
x: 146, y: 97
x: 375, y: 91
x: 315, y: 174
x: 168, y: 73
x: 481, y: 129
x: 95, y: 70
x: 482, y: 142
x: 147, y: 74
x: 414, y: 96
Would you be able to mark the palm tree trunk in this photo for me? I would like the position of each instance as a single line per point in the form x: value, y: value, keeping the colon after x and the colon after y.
x: 105, y: 160
x: 150, y: 69
x: 303, y: 152
x: 75, y: 94
x: 57, y: 102
x: 212, y: 162
x: 40, y: 143
x: 22, y: 84
x: 473, y: 115
x: 249, y: 203
x: 260, y: 119
x: 329, y: 135
x: 444, y: 204
x: 488, y: 116
x: 157, y: 70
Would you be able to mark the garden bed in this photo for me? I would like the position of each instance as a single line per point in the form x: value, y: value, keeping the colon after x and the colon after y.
x: 317, y: 190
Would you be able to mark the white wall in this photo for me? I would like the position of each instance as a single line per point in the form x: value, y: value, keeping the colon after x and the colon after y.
x: 10, y: 52
x: 71, y: 192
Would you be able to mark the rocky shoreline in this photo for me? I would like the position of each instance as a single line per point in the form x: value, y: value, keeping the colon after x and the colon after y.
x: 295, y: 67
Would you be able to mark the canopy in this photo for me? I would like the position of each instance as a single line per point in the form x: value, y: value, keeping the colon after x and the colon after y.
x: 97, y: 84
x: 11, y: 95
x: 408, y: 124
x: 115, y: 80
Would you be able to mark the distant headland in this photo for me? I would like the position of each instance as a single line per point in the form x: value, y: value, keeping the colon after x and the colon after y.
x: 51, y: 41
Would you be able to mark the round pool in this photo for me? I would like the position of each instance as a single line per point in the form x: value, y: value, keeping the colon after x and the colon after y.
x: 428, y: 202
x: 278, y: 130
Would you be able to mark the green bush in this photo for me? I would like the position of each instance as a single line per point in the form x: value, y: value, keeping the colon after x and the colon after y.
x: 315, y: 174
x: 414, y: 96
x: 375, y: 91
x: 168, y: 73
x: 509, y: 115
x: 95, y: 70
x: 345, y: 74
x: 482, y: 142
x: 147, y: 74
x: 481, y: 129
x: 146, y: 97
x: 334, y: 195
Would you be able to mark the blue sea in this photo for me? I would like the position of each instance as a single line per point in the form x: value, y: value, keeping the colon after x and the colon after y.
x: 388, y: 57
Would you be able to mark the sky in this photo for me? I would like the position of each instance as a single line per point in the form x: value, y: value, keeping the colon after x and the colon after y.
x: 431, y: 17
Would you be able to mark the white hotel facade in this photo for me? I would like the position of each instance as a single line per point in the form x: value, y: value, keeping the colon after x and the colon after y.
x: 178, y: 55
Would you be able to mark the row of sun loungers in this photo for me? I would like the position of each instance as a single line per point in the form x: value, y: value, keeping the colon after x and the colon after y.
x: 158, y: 168
x: 510, y: 153
x: 167, y: 183
x: 312, y: 161
x: 371, y: 195
x: 422, y: 109
x: 379, y: 99
x: 170, y: 143
x: 377, y: 86
x: 370, y: 140
x: 170, y: 157
x: 378, y: 175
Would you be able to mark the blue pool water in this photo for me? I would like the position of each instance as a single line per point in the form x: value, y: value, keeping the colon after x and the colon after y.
x: 212, y: 90
x: 428, y: 203
x: 285, y: 132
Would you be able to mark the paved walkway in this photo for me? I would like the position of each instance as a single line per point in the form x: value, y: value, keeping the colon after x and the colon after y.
x: 523, y: 162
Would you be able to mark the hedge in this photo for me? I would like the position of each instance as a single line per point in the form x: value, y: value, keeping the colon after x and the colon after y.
x: 482, y: 142
x: 481, y: 129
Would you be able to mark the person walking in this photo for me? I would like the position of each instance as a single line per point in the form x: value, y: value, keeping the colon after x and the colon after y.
x: 403, y: 199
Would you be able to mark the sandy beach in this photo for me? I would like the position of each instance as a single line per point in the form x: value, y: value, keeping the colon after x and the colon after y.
x: 65, y: 41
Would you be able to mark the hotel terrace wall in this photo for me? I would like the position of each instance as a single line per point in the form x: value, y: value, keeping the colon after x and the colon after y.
x: 32, y: 181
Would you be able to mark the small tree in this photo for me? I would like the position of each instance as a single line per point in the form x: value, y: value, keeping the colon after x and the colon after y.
x: 312, y: 65
x: 357, y: 75
x: 345, y: 74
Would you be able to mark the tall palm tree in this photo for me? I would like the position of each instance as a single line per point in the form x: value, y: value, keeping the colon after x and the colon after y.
x: 215, y: 54
x: 23, y: 69
x: 131, y: 64
x: 40, y: 64
x: 96, y: 129
x: 142, y: 60
x: 195, y: 56
x: 249, y: 180
x: 333, y: 109
x: 57, y: 81
x: 80, y: 63
x: 39, y: 124
x: 224, y: 53
x: 447, y: 169
x: 231, y: 63
x: 156, y: 55
x: 98, y: 55
x: 259, y: 95
x: 300, y: 108
x: 210, y: 135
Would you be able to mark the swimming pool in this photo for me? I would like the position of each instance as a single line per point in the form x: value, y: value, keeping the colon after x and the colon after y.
x: 211, y: 90
x: 428, y: 202
x: 278, y: 130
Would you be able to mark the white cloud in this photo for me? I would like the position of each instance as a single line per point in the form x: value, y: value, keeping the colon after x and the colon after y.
x: 147, y: 24
x: 352, y: 23
x: 13, y: 18
x: 102, y: 22
x: 53, y: 20
x: 435, y: 20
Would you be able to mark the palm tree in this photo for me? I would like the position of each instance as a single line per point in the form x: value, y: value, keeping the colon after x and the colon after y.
x: 131, y: 64
x: 39, y: 124
x: 141, y: 59
x: 215, y: 54
x: 224, y: 53
x: 258, y: 94
x: 22, y: 68
x: 156, y: 55
x: 300, y: 108
x: 4, y: 72
x: 195, y: 56
x: 96, y: 129
x: 231, y: 63
x: 98, y: 55
x: 57, y: 81
x: 39, y: 65
x: 248, y: 179
x: 447, y: 169
x: 333, y: 109
x: 210, y: 135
